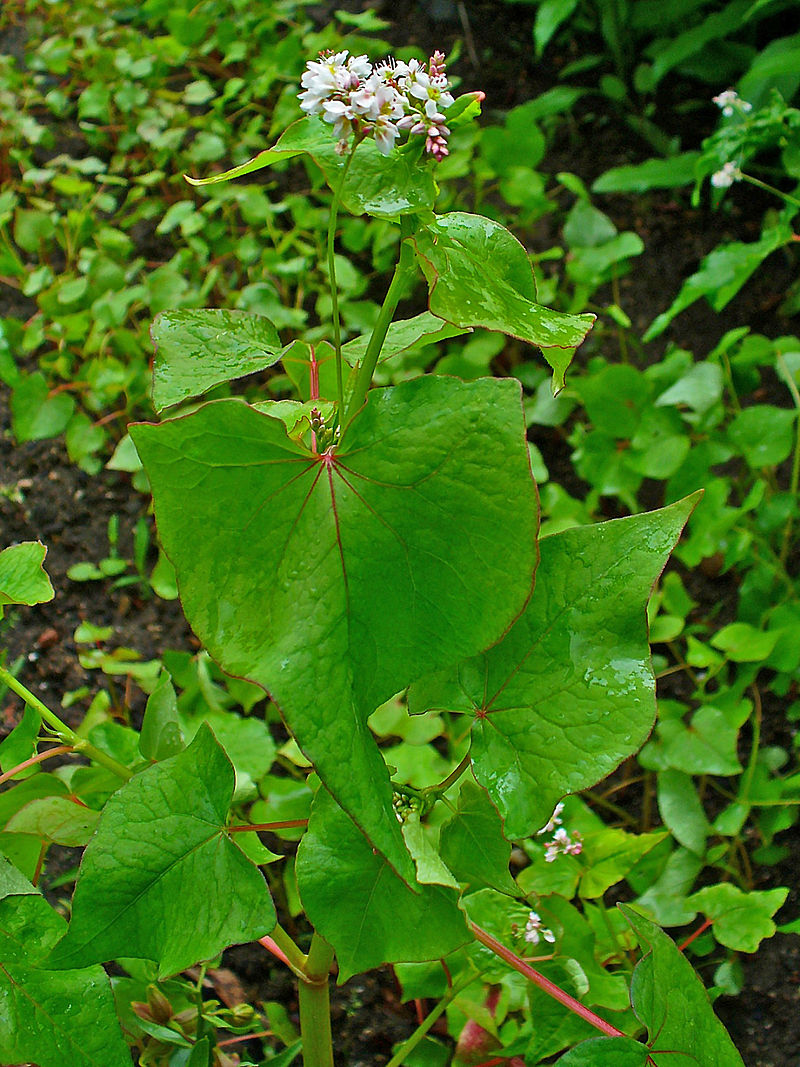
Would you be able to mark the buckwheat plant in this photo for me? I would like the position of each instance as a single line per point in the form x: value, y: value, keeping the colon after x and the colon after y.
x: 341, y: 549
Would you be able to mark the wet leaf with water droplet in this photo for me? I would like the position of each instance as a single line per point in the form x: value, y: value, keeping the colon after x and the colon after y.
x: 480, y: 275
x: 569, y: 692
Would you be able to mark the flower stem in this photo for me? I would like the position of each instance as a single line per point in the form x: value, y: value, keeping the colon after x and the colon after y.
x: 543, y: 983
x: 403, y: 270
x: 337, y: 333
x: 61, y: 730
x: 411, y: 1043
x: 769, y: 188
x: 315, y: 1007
x: 452, y: 777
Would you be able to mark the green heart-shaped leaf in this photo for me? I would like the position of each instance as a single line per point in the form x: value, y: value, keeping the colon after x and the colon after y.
x: 335, y: 580
x: 480, y: 275
x: 198, y: 349
x: 569, y: 692
x: 363, y: 910
x: 670, y: 1000
x: 161, y: 879
x: 52, y: 1018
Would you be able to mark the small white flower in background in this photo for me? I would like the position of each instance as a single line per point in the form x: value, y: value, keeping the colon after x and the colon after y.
x: 730, y: 101
x: 379, y: 102
x: 554, y: 821
x: 723, y: 179
x: 535, y: 932
x: 563, y: 845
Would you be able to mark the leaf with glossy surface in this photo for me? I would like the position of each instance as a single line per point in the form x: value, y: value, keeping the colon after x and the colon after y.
x: 383, y: 186
x: 479, y: 274
x: 569, y: 692
x: 359, y: 905
x: 340, y: 578
x: 52, y: 1018
x: 23, y: 579
x: 161, y: 880
x: 670, y: 1000
x: 197, y: 349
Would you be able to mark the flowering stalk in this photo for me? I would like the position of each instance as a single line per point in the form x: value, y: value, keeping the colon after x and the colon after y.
x: 337, y: 333
x: 403, y: 270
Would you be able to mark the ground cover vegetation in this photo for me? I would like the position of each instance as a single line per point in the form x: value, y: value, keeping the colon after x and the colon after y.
x: 104, y: 108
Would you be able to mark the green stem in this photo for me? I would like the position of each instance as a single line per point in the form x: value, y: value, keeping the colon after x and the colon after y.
x: 403, y: 270
x: 315, y: 1006
x: 770, y: 189
x: 295, y: 959
x: 451, y: 779
x: 411, y: 1043
x: 61, y: 730
x: 794, y: 483
x: 337, y: 333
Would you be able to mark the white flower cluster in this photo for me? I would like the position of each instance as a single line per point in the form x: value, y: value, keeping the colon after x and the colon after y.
x: 535, y: 932
x: 562, y: 843
x: 723, y: 179
x: 379, y: 101
x: 730, y: 101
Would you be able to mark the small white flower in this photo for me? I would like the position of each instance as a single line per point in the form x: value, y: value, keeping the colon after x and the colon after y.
x: 535, y: 932
x: 563, y: 845
x: 730, y: 101
x: 723, y: 179
x: 386, y: 133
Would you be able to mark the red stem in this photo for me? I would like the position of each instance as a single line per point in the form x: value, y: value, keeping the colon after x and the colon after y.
x: 244, y: 1037
x: 693, y: 937
x: 34, y: 759
x: 543, y: 983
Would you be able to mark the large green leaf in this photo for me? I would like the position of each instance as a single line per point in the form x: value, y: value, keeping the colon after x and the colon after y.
x: 52, y: 1018
x: 22, y: 577
x: 384, y: 186
x: 670, y: 1000
x: 161, y: 880
x: 569, y: 692
x: 363, y: 910
x: 197, y: 349
x: 336, y: 580
x: 480, y: 275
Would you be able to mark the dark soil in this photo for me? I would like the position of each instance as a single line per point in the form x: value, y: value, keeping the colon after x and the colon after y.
x: 43, y: 496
